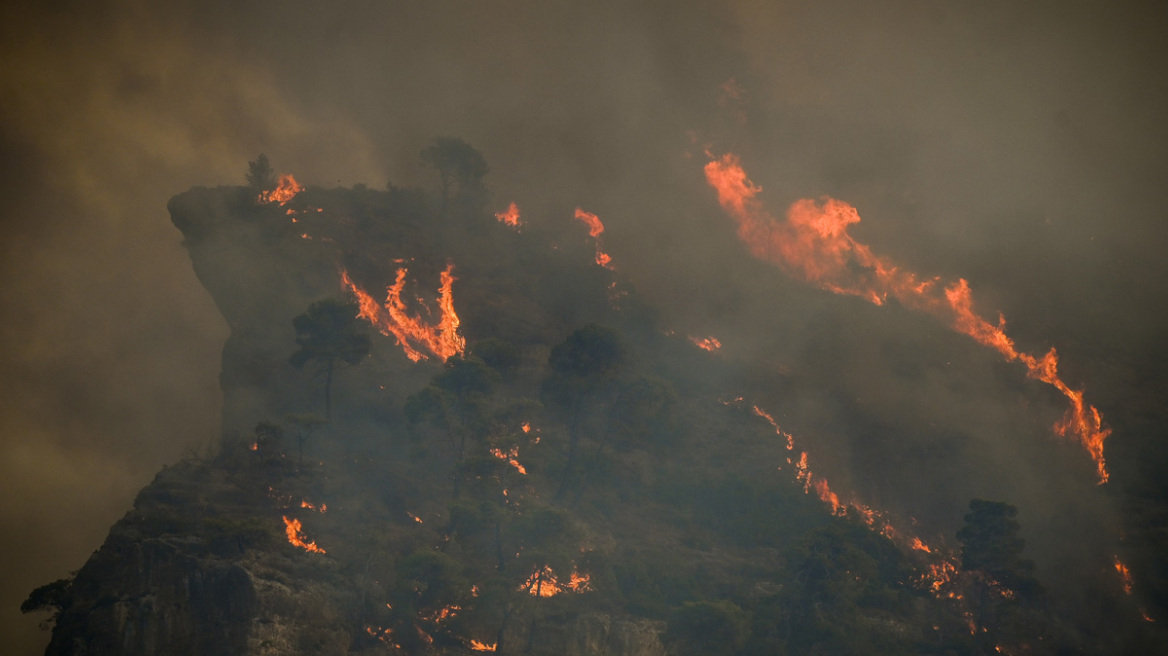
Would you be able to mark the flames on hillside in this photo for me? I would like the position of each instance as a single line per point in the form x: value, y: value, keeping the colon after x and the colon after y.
x: 293, y: 530
x: 544, y: 583
x: 285, y: 190
x: 940, y: 568
x: 813, y: 244
x: 509, y: 216
x: 414, y: 334
x: 595, y: 230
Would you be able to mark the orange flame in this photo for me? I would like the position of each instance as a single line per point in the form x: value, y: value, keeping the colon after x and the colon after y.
x: 305, y: 503
x: 710, y: 344
x: 543, y: 583
x: 482, y: 646
x: 939, y: 572
x: 393, y: 319
x: 1124, y: 575
x: 414, y: 517
x: 595, y: 230
x: 296, y: 538
x: 511, y: 457
x: 442, y: 614
x: 813, y: 245
x: 285, y: 191
x: 510, y: 216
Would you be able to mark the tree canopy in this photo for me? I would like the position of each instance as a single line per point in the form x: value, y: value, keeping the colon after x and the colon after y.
x: 260, y: 175
x: 459, y: 166
x: 329, y: 333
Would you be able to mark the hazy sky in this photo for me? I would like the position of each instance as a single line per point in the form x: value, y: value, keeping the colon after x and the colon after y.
x: 1020, y: 145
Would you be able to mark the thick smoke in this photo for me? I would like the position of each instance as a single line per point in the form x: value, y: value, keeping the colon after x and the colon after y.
x: 1017, y: 145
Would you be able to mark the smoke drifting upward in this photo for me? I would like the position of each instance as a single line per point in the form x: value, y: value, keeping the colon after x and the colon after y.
x: 1019, y: 146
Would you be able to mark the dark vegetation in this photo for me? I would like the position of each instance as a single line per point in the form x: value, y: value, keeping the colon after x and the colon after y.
x: 572, y: 438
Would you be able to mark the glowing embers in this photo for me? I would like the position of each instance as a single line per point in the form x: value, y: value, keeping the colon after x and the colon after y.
x: 285, y: 191
x: 413, y: 333
x: 710, y: 344
x: 509, y: 216
x: 1125, y: 576
x: 543, y: 583
x: 305, y: 503
x: 296, y: 538
x: 813, y: 244
x: 595, y: 230
x: 512, y: 458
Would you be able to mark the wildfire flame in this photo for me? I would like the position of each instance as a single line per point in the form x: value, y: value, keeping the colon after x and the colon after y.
x: 510, y: 216
x: 285, y: 190
x: 393, y: 319
x: 296, y: 538
x: 305, y: 503
x: 482, y: 646
x: 442, y: 614
x: 511, y: 457
x: 813, y: 244
x: 939, y: 572
x: 595, y: 230
x: 1124, y: 575
x: 543, y: 583
x: 710, y: 344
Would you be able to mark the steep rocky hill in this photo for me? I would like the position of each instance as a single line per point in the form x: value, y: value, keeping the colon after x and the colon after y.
x: 490, y: 445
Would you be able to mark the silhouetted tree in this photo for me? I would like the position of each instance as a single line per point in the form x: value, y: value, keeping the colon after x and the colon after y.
x: 453, y: 403
x: 329, y: 333
x: 1004, y: 587
x: 260, y: 176
x: 990, y: 545
x: 458, y: 165
x: 303, y: 426
x: 52, y: 597
x: 582, y: 369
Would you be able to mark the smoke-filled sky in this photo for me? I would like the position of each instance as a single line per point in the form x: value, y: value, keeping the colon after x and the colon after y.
x: 1019, y: 145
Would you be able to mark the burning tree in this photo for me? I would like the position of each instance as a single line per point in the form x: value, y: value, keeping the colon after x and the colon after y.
x: 328, y: 334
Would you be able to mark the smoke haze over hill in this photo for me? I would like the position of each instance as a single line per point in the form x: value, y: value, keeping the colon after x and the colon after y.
x: 1018, y: 147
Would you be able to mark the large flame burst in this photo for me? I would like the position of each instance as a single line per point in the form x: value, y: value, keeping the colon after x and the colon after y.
x: 412, y: 332
x: 813, y: 244
x: 296, y: 538
x: 286, y: 189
